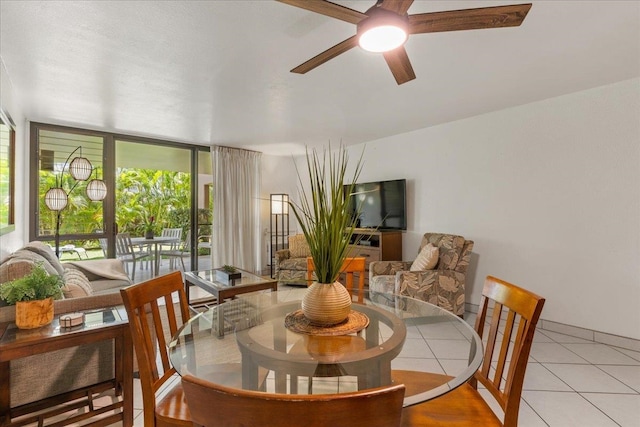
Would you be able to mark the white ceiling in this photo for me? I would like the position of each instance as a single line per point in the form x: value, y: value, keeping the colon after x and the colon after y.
x: 217, y: 72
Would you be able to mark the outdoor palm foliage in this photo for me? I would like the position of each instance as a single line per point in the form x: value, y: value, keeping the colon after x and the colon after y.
x: 323, y: 212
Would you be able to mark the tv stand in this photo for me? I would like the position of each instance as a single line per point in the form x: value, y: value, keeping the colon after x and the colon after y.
x: 376, y: 245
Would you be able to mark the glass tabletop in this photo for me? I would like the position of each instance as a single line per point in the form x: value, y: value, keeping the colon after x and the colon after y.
x: 217, y: 278
x: 263, y: 354
x: 93, y: 319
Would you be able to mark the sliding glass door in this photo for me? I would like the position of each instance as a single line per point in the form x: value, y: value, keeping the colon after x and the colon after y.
x: 150, y: 184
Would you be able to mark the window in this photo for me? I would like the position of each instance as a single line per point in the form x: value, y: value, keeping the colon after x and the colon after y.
x: 7, y: 173
x: 142, y: 175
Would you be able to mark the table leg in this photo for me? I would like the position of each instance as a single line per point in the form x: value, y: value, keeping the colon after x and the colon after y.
x: 157, y: 259
x: 250, y: 373
x: 220, y: 313
x: 124, y: 375
x: 5, y: 394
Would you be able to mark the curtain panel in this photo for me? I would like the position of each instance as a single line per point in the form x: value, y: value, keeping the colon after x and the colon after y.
x: 236, y: 209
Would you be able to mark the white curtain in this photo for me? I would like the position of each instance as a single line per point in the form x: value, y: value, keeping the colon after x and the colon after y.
x: 236, y: 209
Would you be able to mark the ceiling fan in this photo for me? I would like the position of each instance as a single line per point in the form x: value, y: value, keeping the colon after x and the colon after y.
x: 391, y: 16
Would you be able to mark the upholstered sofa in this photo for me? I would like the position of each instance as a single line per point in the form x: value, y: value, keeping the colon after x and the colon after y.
x: 291, y: 263
x: 443, y: 286
x: 35, y: 377
x: 81, y: 278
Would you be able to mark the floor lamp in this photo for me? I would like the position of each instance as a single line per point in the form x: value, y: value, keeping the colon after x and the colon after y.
x: 279, y: 225
x: 56, y: 198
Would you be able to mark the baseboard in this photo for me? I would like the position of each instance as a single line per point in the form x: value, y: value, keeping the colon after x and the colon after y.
x: 578, y: 332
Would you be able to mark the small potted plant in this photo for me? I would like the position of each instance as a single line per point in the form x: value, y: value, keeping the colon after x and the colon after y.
x: 148, y: 227
x: 230, y: 273
x: 33, y: 296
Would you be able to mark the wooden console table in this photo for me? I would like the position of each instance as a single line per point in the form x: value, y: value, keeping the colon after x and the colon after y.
x: 100, y: 325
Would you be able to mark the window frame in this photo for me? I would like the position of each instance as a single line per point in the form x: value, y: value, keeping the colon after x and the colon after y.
x: 11, y: 158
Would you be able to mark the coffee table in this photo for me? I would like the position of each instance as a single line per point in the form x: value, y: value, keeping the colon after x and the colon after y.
x: 215, y: 283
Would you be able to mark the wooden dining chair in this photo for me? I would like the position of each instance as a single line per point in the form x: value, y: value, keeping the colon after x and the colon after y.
x: 349, y: 267
x: 464, y: 406
x: 215, y: 405
x: 156, y: 309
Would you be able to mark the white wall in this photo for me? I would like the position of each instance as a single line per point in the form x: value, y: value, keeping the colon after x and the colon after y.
x: 15, y: 239
x: 549, y: 192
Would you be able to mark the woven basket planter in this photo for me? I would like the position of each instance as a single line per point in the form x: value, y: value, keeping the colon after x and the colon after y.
x: 326, y: 304
x: 34, y: 314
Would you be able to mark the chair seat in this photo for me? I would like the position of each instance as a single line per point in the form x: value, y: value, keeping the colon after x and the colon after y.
x: 172, y: 409
x: 463, y: 406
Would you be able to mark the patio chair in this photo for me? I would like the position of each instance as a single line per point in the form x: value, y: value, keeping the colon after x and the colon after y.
x: 177, y: 250
x: 170, y: 250
x: 128, y: 254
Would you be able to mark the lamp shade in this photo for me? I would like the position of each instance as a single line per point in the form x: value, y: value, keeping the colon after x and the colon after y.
x: 56, y: 199
x: 80, y: 168
x: 279, y: 204
x: 382, y: 31
x: 96, y: 190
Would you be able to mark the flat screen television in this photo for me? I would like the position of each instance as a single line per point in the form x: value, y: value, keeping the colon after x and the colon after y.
x: 382, y: 204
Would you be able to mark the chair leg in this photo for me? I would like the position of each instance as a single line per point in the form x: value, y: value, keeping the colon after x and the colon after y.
x: 133, y: 273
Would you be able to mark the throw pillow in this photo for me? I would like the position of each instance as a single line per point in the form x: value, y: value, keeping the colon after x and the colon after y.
x: 427, y: 258
x: 76, y: 284
x: 47, y: 253
x: 34, y: 258
x: 298, y: 247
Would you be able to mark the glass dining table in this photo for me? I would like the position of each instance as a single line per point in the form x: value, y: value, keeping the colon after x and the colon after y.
x: 269, y: 352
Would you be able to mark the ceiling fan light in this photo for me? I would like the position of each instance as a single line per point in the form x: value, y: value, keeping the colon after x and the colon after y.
x: 382, y: 31
x: 383, y: 38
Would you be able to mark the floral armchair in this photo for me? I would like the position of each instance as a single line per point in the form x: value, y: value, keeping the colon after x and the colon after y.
x: 291, y: 263
x: 443, y: 286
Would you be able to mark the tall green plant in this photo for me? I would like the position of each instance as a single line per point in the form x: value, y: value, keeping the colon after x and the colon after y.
x: 323, y: 212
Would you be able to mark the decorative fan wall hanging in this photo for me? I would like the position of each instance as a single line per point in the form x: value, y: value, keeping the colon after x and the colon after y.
x: 386, y: 26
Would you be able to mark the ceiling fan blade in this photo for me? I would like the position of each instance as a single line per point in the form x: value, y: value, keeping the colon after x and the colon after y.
x: 400, y: 66
x: 328, y: 54
x: 398, y: 6
x: 328, y: 9
x: 469, y: 19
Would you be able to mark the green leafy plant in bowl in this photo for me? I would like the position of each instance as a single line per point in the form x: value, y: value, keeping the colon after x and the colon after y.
x: 37, y: 285
x: 229, y: 268
x: 33, y: 296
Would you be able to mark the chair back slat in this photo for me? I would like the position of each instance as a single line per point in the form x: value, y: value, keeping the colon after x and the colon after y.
x: 523, y: 310
x: 123, y: 244
x: 214, y: 405
x: 152, y: 324
x: 175, y: 233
